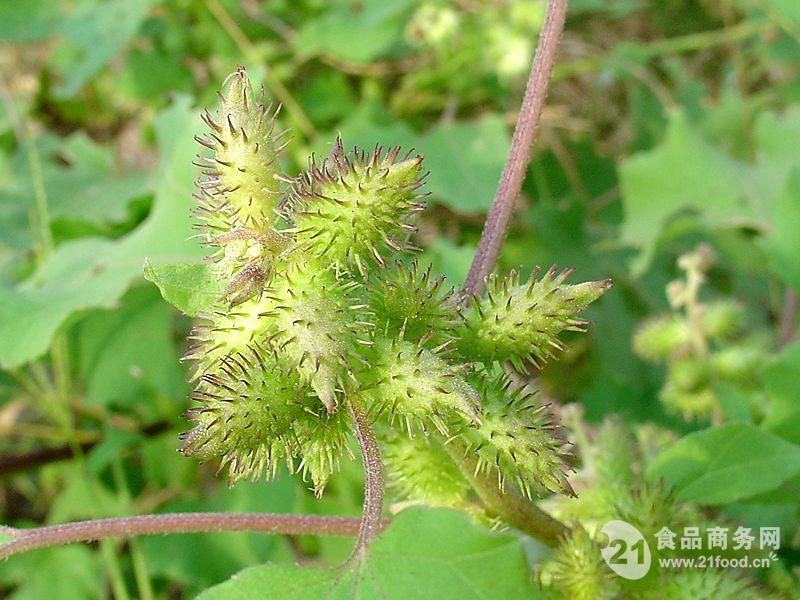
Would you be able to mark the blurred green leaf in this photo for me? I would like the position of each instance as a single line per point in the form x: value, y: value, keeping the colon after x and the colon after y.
x: 726, y: 463
x: 423, y: 554
x: 74, y: 568
x: 683, y: 172
x: 28, y: 20
x: 128, y: 353
x: 782, y: 381
x: 358, y: 32
x: 782, y: 242
x: 93, y: 32
x: 80, y: 180
x: 191, y: 289
x: 94, y: 273
x: 465, y: 161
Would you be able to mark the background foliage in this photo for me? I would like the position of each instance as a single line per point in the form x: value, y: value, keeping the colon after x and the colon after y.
x: 670, y: 123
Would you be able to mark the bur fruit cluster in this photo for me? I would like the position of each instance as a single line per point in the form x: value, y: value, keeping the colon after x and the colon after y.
x: 324, y: 308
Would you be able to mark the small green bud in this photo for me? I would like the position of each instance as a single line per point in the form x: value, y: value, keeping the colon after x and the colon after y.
x: 659, y: 337
x: 692, y: 404
x: 689, y: 372
x: 520, y: 323
x: 353, y: 208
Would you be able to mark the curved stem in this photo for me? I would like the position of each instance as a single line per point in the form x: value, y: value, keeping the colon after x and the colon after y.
x: 370, y: 525
x: 494, y: 231
x: 509, y: 505
x: 87, y: 531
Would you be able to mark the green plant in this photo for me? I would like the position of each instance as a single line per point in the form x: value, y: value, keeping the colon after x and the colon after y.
x: 321, y: 332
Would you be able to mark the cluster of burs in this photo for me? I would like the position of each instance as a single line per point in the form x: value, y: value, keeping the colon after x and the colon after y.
x: 324, y: 315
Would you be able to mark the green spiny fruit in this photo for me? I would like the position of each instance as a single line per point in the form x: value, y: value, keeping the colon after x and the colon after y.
x: 703, y: 584
x: 242, y: 175
x: 692, y: 404
x: 354, y: 207
x: 521, y: 322
x: 305, y: 314
x: 660, y: 337
x: 518, y: 437
x: 613, y: 457
x: 411, y: 304
x: 323, y: 441
x: 421, y: 471
x: 577, y: 570
x: 721, y: 319
x: 244, y: 414
x: 738, y: 362
x: 253, y: 415
x: 410, y: 382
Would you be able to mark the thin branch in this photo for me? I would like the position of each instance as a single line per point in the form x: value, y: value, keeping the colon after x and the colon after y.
x: 499, y: 215
x: 788, y: 316
x: 87, y: 531
x: 14, y: 463
x: 370, y: 525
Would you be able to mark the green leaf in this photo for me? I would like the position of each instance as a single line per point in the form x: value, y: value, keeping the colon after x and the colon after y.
x: 379, y: 25
x: 94, y: 273
x: 28, y: 20
x: 75, y: 568
x: 93, y: 33
x: 466, y: 160
x: 128, y: 353
x: 191, y: 288
x: 782, y: 242
x: 683, y: 172
x: 80, y: 181
x: 782, y: 381
x: 726, y: 463
x: 423, y: 554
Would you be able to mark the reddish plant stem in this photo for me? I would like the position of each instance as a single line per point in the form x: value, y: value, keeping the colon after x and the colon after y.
x: 788, y: 315
x: 87, y: 531
x: 373, y: 482
x: 499, y: 216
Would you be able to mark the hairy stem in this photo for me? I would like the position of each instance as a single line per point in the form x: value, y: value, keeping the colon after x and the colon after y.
x: 497, y: 220
x: 87, y: 531
x: 373, y: 482
x: 509, y: 504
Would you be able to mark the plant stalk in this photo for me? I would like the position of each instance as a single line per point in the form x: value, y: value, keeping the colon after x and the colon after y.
x: 499, y: 216
x: 88, y: 531
x: 370, y: 525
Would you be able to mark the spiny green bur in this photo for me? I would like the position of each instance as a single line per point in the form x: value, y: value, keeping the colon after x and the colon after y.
x: 520, y: 323
x: 322, y: 309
